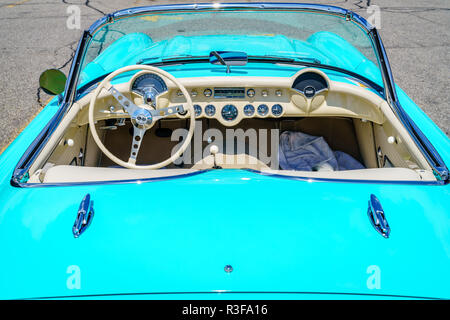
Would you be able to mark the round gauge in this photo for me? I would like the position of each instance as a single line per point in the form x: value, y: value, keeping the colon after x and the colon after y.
x: 229, y: 112
x: 277, y: 110
x: 207, y: 92
x: 148, y: 81
x: 249, y: 110
x: 251, y: 93
x: 263, y: 110
x: 210, y: 110
x: 198, y: 110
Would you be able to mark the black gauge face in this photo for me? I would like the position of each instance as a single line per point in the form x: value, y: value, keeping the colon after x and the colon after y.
x: 277, y: 110
x: 229, y: 112
x: 263, y: 109
x: 310, y: 83
x: 198, y: 110
x: 148, y: 81
x: 249, y: 110
x: 210, y: 110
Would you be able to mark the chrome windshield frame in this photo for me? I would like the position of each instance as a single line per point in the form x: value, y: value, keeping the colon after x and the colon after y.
x: 432, y: 156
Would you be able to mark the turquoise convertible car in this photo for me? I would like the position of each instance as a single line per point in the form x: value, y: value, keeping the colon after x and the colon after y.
x: 227, y: 151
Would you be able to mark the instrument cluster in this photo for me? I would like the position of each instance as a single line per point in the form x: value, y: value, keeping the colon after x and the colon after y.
x: 232, y: 104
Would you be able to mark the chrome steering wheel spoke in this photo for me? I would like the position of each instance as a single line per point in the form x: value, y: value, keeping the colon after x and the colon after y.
x: 138, y: 135
x: 126, y: 103
x: 165, y: 112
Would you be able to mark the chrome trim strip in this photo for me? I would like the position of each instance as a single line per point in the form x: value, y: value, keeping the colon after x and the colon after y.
x: 313, y: 179
x: 212, y: 293
x: 421, y: 141
x: 273, y: 175
x: 224, y: 6
x: 96, y: 183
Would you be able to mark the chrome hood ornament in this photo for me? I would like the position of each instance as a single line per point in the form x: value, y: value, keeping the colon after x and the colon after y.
x: 377, y: 217
x: 84, y: 216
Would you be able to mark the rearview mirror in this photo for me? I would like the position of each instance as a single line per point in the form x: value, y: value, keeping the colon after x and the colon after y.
x: 52, y: 81
x: 228, y: 58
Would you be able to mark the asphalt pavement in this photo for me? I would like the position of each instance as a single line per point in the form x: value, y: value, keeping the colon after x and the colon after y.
x: 35, y: 36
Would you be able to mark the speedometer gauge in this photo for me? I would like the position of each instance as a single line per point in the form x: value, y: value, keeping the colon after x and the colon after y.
x: 229, y: 112
x: 148, y: 82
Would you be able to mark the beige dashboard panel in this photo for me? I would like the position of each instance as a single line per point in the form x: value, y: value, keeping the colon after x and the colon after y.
x: 339, y: 100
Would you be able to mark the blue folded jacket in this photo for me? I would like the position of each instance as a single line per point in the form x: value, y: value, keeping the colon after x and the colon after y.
x: 302, y: 152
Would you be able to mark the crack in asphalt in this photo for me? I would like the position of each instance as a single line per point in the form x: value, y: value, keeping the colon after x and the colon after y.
x: 94, y: 8
x: 70, y: 46
x: 358, y: 4
x: 87, y: 4
x: 38, y: 96
x: 412, y: 9
x: 67, y: 62
x: 73, y: 50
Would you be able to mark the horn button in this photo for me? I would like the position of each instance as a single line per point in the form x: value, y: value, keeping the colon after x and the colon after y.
x: 142, y: 118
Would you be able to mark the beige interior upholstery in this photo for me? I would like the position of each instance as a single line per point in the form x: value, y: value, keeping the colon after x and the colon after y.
x: 339, y: 133
x: 62, y: 174
x: 231, y: 161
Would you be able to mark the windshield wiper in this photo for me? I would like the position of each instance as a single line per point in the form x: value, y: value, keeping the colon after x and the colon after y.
x: 186, y: 57
x: 284, y: 59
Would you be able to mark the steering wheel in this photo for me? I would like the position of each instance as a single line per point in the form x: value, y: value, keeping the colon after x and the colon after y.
x: 143, y: 117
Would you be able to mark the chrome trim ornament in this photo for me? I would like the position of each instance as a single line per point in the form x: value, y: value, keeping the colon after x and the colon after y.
x: 228, y: 268
x: 377, y: 217
x: 84, y: 216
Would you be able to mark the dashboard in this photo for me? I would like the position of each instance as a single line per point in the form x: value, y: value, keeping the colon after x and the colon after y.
x: 230, y: 104
x: 232, y: 99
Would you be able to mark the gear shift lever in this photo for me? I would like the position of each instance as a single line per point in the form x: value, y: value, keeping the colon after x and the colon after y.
x: 214, y: 150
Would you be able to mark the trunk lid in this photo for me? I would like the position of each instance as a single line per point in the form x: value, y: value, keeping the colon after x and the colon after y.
x: 177, y: 235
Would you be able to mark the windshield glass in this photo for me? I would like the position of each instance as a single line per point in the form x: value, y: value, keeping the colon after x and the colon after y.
x: 304, y: 36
